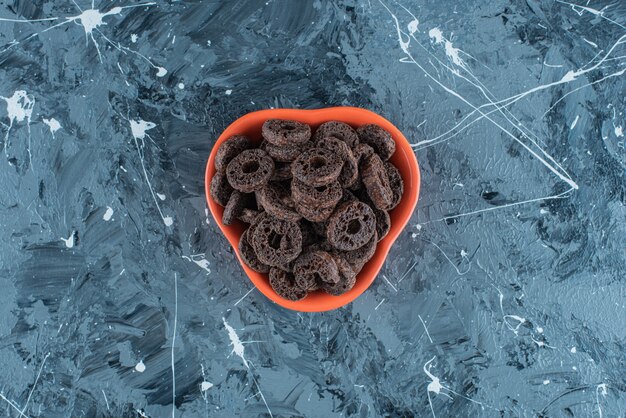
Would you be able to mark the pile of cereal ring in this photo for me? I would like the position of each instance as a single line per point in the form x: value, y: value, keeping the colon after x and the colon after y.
x: 316, y: 204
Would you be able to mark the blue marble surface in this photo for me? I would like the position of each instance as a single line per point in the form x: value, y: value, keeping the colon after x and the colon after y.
x: 505, y: 296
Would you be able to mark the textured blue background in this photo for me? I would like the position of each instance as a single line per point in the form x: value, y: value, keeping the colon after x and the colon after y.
x: 505, y: 296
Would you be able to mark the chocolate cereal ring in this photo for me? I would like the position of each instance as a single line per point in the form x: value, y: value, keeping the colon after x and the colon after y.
x: 285, y: 286
x: 283, y: 132
x: 396, y: 184
x: 248, y: 215
x: 277, y: 201
x: 286, y: 153
x: 379, y: 139
x: 250, y: 170
x: 282, y: 172
x: 376, y: 182
x: 347, y: 278
x: 317, y: 197
x: 360, y: 256
x: 247, y: 254
x: 337, y: 130
x: 229, y: 149
x: 317, y: 167
x: 235, y: 206
x: 220, y: 190
x: 361, y: 151
x: 351, y: 226
x: 315, y: 268
x: 314, y: 214
x: 276, y: 242
x: 383, y: 222
x: 350, y: 169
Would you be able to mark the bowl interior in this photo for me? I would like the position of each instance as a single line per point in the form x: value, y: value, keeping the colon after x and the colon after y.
x: 404, y: 158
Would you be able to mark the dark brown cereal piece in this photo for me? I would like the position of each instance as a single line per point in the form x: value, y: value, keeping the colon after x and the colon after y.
x: 317, y: 167
x: 396, y: 184
x: 314, y: 214
x: 347, y: 196
x: 383, y: 222
x: 376, y: 182
x: 318, y: 197
x: 321, y: 246
x: 351, y: 226
x: 347, y: 278
x: 248, y: 215
x: 315, y: 267
x: 247, y: 254
x: 285, y: 153
x: 277, y: 201
x: 250, y: 170
x: 350, y: 169
x: 229, y: 149
x: 287, y: 266
x: 234, y: 208
x: 283, y: 132
x: 337, y: 130
x: 379, y: 139
x: 282, y: 172
x: 220, y: 190
x: 361, y: 151
x: 309, y: 237
x: 276, y: 242
x: 285, y: 286
x: 360, y: 256
x: 250, y: 231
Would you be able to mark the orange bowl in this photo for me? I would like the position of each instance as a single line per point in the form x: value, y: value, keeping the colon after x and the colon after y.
x: 403, y: 158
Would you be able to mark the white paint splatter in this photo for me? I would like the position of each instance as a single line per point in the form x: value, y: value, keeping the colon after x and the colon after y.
x: 173, y: 344
x: 519, y: 319
x: 573, y: 125
x: 133, y: 38
x: 426, y: 329
x: 619, y: 131
x: 228, y: 92
x: 138, y: 128
x: 436, y: 35
x: 91, y: 20
x: 53, y: 125
x: 593, y: 44
x: 540, y: 330
x: 238, y: 348
x: 572, y: 350
x: 19, y: 109
x: 546, y: 382
x: 108, y: 214
x: 413, y: 26
x: 200, y: 261
x: 181, y: 86
x: 543, y: 211
x: 600, y: 389
x: 69, y: 242
x: 140, y: 367
x: 454, y: 54
x: 161, y: 196
x: 204, y: 386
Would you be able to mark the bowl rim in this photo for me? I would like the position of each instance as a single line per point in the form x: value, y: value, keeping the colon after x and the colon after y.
x: 324, y: 302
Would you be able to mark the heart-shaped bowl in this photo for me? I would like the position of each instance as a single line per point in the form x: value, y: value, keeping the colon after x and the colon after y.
x: 404, y: 159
